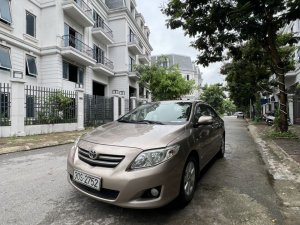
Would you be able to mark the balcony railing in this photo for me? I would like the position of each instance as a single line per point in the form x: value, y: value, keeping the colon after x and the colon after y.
x: 71, y: 41
x: 105, y: 61
x: 105, y: 28
x: 83, y: 7
x: 133, y: 39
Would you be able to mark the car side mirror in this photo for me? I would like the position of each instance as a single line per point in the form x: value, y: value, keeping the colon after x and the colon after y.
x: 205, y: 120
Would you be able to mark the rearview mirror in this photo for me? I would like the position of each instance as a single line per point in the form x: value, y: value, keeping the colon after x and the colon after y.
x: 205, y: 120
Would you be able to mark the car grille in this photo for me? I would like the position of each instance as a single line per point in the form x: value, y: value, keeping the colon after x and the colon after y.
x: 102, y: 160
x: 103, y: 193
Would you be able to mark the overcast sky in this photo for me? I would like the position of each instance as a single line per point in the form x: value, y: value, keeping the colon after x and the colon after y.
x: 166, y: 41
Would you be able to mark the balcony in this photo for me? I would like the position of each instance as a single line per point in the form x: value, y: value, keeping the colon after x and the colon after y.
x: 144, y: 59
x: 104, y: 66
x: 135, y: 45
x: 79, y: 11
x: 133, y: 74
x: 75, y: 50
x: 102, y: 32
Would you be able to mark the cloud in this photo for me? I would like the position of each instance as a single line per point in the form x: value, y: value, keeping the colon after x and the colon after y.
x: 167, y: 41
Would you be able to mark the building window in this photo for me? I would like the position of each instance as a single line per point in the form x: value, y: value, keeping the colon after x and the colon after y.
x: 5, y: 14
x: 31, y: 69
x: 131, y: 64
x: 131, y: 35
x: 164, y: 62
x: 5, y: 62
x: 30, y: 24
x: 98, y: 54
x: 73, y: 73
x: 187, y: 77
x: 4, y: 105
x: 99, y: 22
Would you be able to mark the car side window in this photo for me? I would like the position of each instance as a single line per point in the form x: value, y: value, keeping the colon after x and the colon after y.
x: 197, y: 113
x: 212, y: 112
x: 205, y: 110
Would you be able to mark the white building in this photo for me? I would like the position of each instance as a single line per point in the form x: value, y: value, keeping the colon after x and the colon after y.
x: 188, y: 69
x: 70, y: 43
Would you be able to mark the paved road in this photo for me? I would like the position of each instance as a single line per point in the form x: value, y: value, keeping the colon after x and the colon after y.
x: 234, y: 190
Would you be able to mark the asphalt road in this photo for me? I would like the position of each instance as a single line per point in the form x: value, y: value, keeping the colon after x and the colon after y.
x: 233, y: 190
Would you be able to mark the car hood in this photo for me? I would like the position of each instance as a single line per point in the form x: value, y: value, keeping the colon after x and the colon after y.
x: 143, y: 136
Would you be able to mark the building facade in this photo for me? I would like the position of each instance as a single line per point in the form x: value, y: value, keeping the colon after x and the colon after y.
x: 92, y: 44
x: 188, y: 69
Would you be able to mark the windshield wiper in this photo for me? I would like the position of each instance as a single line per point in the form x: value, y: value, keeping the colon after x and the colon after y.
x: 126, y: 121
x: 150, y: 122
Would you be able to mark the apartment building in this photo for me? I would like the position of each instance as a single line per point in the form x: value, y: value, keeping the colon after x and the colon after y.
x: 188, y: 69
x: 92, y: 44
x: 292, y: 79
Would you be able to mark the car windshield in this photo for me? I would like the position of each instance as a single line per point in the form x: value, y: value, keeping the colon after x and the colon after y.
x: 160, y: 113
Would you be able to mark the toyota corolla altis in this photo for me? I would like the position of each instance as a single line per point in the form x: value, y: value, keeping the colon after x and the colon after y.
x: 150, y: 156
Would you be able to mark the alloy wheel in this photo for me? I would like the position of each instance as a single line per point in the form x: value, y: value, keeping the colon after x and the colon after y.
x: 189, y: 178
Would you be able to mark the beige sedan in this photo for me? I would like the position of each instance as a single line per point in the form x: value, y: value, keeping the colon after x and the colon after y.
x: 148, y: 157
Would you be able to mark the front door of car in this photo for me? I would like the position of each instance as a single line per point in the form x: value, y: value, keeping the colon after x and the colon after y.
x: 202, y: 135
x: 217, y: 131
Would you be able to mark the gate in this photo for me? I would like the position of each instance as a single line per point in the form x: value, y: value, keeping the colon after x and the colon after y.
x: 297, y: 109
x: 98, y: 110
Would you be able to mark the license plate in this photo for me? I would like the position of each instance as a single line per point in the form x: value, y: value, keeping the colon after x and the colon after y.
x: 87, y: 180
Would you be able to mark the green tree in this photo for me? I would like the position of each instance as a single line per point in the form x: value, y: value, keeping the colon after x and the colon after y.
x: 214, y: 96
x: 229, y: 106
x: 250, y: 69
x: 220, y: 25
x: 247, y: 74
x: 164, y: 83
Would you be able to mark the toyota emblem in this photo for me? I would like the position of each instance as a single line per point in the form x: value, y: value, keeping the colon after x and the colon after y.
x: 92, y: 154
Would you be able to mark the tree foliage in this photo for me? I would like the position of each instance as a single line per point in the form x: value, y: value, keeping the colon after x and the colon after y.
x: 247, y: 73
x: 229, y: 106
x: 164, y: 83
x: 224, y: 24
x: 214, y: 96
x: 250, y: 69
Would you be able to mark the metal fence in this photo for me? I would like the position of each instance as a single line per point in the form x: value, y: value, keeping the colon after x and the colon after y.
x: 49, y: 106
x: 97, y: 110
x: 5, y: 104
x: 297, y: 108
x: 127, y: 105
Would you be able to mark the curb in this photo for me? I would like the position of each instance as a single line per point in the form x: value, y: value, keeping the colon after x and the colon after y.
x: 32, y: 146
x: 284, y: 170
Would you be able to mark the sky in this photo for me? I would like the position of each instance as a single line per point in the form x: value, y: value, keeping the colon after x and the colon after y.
x: 167, y: 41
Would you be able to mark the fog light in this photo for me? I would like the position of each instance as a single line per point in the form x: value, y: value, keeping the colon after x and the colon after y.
x: 151, y: 193
x: 154, y: 192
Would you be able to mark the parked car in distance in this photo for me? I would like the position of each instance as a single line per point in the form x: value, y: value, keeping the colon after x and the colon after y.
x: 239, y: 115
x: 269, y: 118
x: 150, y: 156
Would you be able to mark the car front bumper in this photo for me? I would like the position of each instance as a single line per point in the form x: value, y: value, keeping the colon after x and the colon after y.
x: 126, y: 188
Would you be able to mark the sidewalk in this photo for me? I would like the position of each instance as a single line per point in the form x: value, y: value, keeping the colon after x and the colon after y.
x: 281, y: 157
x: 16, y: 144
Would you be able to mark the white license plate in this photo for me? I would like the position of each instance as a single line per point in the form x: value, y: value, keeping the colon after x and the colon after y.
x: 87, y: 180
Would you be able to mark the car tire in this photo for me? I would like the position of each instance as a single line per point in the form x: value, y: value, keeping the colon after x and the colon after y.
x: 221, y: 151
x: 188, y: 182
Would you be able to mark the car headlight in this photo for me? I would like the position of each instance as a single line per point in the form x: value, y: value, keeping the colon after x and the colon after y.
x: 154, y: 157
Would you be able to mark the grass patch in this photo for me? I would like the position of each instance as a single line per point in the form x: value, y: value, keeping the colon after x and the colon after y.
x: 285, y: 135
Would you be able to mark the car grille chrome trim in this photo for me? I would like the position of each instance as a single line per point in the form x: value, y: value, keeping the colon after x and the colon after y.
x: 102, y: 160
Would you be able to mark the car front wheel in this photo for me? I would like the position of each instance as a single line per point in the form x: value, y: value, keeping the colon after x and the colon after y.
x: 188, y: 182
x: 221, y: 152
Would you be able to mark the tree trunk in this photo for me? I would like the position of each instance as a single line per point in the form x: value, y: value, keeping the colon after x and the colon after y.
x: 280, y: 75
